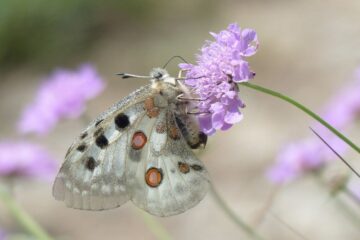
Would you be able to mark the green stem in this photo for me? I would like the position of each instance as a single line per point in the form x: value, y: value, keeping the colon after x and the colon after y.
x: 22, y: 217
x: 156, y: 228
x: 238, y: 221
x: 303, y: 108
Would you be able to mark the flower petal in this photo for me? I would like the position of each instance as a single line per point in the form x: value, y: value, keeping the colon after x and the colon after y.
x: 220, y: 64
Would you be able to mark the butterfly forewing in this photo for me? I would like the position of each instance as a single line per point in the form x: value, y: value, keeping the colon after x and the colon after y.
x: 93, y: 174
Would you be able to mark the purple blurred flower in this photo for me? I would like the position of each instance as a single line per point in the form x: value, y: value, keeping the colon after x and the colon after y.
x: 306, y: 155
x: 344, y: 107
x: 2, y: 234
x: 311, y: 154
x: 62, y: 95
x: 24, y: 159
x: 220, y: 65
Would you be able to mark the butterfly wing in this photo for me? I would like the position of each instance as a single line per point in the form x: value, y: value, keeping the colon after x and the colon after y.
x: 93, y: 174
x: 164, y: 177
x: 134, y: 151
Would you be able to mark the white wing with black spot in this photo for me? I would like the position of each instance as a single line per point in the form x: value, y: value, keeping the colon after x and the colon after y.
x: 136, y: 150
x: 93, y: 174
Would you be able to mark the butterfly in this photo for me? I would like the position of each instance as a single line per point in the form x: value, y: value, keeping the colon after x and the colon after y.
x: 140, y: 149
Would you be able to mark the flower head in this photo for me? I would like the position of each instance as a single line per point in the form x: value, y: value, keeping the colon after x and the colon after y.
x: 24, y: 159
x: 220, y: 65
x: 311, y: 154
x: 62, y: 95
x: 303, y: 156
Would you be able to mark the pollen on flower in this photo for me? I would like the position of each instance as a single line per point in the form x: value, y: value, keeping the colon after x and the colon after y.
x: 220, y: 65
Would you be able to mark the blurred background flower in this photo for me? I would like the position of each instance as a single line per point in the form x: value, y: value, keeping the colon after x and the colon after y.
x: 20, y: 159
x: 62, y: 95
x: 2, y: 234
x: 311, y: 154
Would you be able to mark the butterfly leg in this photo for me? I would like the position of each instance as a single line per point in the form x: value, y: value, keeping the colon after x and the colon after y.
x: 195, y: 111
x: 180, y: 77
x: 180, y: 74
x: 182, y: 97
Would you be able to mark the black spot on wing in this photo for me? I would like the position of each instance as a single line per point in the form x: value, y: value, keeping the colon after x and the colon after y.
x: 83, y: 135
x: 98, y: 122
x: 81, y: 148
x: 90, y: 163
x: 101, y: 141
x: 196, y: 167
x: 98, y: 132
x: 122, y: 121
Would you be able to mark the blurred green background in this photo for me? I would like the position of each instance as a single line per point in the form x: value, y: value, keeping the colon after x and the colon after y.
x: 39, y: 31
x: 43, y: 32
x: 308, y: 50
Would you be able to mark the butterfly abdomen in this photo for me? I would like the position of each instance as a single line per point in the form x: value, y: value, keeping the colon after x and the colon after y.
x: 191, y: 132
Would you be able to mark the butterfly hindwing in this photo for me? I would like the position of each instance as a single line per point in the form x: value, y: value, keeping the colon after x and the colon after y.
x: 168, y: 179
x: 93, y: 174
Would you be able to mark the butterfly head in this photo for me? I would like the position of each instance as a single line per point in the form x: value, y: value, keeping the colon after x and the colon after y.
x: 160, y: 74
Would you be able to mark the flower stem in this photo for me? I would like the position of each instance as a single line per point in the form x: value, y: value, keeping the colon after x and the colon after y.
x: 238, y: 221
x: 22, y: 217
x: 156, y: 228
x: 304, y: 109
x: 343, y: 206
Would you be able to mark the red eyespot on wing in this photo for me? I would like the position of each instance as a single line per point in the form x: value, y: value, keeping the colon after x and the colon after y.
x: 153, y: 177
x: 139, y: 140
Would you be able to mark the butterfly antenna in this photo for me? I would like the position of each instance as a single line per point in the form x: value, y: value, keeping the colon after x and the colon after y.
x: 184, y: 78
x: 173, y: 57
x: 336, y: 153
x: 128, y: 75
